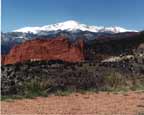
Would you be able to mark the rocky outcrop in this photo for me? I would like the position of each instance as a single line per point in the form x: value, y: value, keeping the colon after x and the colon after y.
x: 47, y: 49
x: 2, y: 59
x: 140, y: 48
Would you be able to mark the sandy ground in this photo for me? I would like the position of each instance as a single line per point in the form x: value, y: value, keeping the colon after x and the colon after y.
x: 130, y: 103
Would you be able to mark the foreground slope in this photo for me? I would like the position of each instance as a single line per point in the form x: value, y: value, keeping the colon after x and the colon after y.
x: 131, y: 103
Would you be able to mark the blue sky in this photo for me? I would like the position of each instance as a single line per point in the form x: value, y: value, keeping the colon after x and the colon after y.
x: 21, y: 13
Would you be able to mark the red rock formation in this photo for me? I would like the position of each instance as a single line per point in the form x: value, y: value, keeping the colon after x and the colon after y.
x: 2, y: 59
x: 48, y: 49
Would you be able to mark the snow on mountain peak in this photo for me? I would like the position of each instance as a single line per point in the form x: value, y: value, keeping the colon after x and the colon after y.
x: 72, y: 25
x: 28, y: 29
x: 68, y: 25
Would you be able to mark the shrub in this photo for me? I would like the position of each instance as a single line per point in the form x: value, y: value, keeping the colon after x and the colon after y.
x: 35, y: 88
x: 114, y: 80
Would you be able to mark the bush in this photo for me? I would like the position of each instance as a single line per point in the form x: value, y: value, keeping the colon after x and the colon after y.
x: 137, y: 87
x: 35, y: 88
x: 114, y: 80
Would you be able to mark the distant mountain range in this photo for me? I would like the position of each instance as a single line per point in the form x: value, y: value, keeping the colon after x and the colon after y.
x: 68, y: 29
x: 72, y: 26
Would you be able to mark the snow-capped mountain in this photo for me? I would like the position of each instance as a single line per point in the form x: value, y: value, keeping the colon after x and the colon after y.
x: 72, y: 26
x: 68, y: 29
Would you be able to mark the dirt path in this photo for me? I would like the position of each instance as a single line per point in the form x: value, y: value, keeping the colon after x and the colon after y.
x: 79, y: 104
